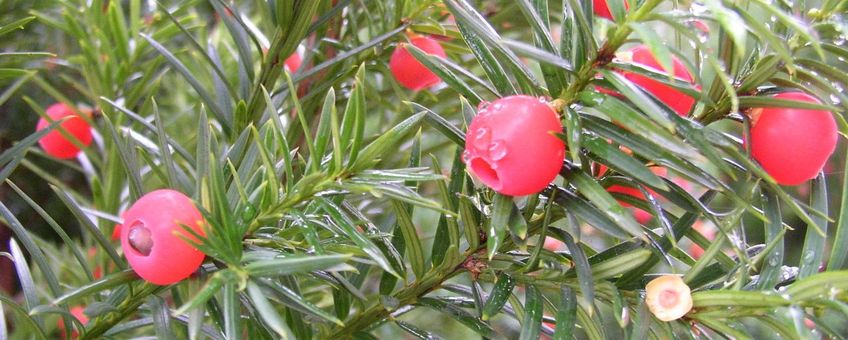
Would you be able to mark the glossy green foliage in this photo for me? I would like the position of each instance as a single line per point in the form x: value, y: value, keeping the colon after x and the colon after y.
x: 337, y: 204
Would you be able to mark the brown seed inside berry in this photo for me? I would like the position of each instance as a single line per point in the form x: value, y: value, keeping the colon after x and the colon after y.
x: 140, y: 238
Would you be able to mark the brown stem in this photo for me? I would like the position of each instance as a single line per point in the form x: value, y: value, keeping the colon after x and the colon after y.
x: 430, y: 282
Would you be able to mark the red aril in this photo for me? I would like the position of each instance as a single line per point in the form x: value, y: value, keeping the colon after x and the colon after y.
x: 150, y: 237
x: 408, y: 71
x: 54, y: 142
x: 607, y: 91
x: 79, y: 313
x: 293, y: 62
x: 511, y: 147
x: 600, y: 169
x: 792, y: 145
x: 678, y: 101
x: 116, y: 232
x: 97, y: 273
x: 695, y: 250
x: 552, y: 244
x: 550, y: 325
x: 602, y: 10
x: 641, y: 216
x: 810, y: 324
x: 701, y: 26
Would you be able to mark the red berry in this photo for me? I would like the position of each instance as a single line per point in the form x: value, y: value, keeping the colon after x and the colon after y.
x: 599, y: 169
x: 151, y: 238
x: 550, y: 325
x: 552, y: 244
x: 607, y: 91
x: 92, y: 257
x: 116, y: 232
x: 792, y: 145
x: 641, y: 216
x: 602, y: 9
x: 809, y: 324
x: 293, y: 62
x: 79, y: 313
x: 54, y: 143
x: 695, y: 250
x: 678, y: 101
x: 701, y: 26
x: 408, y: 71
x: 511, y: 147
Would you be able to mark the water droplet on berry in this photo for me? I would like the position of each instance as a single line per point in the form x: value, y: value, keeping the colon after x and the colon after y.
x: 497, y: 150
x: 497, y: 107
x: 466, y: 156
x: 140, y: 238
x: 481, y: 138
x: 543, y: 100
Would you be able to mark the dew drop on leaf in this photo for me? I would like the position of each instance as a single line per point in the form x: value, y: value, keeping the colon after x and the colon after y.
x: 809, y: 256
x: 697, y: 8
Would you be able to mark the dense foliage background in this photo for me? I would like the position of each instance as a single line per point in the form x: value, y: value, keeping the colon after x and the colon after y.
x: 336, y: 202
